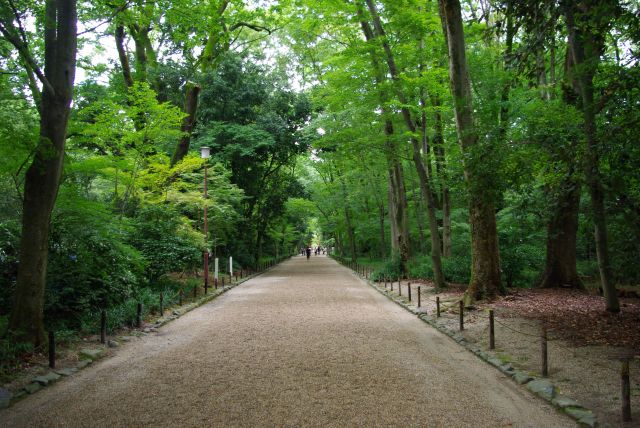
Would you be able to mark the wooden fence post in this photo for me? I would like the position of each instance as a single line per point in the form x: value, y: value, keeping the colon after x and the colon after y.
x: 626, y: 390
x: 461, y: 315
x: 52, y: 349
x: 438, y: 306
x: 492, y: 337
x: 103, y: 326
x: 543, y: 350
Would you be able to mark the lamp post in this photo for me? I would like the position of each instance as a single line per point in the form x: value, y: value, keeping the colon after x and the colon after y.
x: 205, y: 152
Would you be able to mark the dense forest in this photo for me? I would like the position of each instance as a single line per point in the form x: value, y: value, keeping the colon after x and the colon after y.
x: 479, y: 142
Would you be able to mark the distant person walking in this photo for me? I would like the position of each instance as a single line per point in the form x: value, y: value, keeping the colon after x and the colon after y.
x: 308, y: 252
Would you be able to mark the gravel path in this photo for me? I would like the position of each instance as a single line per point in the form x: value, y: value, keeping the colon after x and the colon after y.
x: 306, y: 344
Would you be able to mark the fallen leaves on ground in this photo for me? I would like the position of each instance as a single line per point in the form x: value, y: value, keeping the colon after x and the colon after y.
x: 576, y: 316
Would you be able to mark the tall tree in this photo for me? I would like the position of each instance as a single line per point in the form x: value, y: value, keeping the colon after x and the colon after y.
x: 426, y: 185
x: 485, y: 253
x: 43, y: 175
x: 588, y: 23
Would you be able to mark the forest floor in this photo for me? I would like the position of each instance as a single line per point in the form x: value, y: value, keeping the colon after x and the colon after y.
x: 585, y: 343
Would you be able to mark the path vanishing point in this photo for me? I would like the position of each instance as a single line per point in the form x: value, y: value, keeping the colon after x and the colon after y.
x: 305, y: 344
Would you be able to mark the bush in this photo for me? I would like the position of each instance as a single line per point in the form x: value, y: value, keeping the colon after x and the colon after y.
x: 421, y: 267
x: 389, y: 269
x: 166, y: 242
x: 457, y: 269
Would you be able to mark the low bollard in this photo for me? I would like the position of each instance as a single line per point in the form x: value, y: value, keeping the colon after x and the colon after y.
x: 103, y: 326
x: 461, y: 315
x: 438, y: 306
x: 409, y: 290
x: 492, y: 336
x: 626, y: 390
x: 139, y: 315
x: 543, y: 350
x: 52, y: 349
x: 399, y: 287
x: 419, y: 296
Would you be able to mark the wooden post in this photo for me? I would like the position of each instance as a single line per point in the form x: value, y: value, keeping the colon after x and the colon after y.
x: 461, y: 315
x: 409, y: 290
x: 103, y: 326
x: 419, y: 296
x: 162, y: 303
x: 52, y: 350
x: 543, y: 350
x: 139, y: 315
x: 438, y: 306
x: 399, y: 287
x: 626, y: 390
x: 492, y: 337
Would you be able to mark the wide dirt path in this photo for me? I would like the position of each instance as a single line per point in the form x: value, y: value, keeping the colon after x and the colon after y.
x: 306, y: 344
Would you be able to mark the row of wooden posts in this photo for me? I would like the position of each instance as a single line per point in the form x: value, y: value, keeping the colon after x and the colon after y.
x: 544, y: 354
x: 238, y: 274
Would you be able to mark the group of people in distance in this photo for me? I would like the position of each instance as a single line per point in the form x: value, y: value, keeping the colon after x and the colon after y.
x: 317, y: 251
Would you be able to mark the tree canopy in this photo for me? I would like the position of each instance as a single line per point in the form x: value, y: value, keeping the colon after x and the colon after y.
x: 484, y: 142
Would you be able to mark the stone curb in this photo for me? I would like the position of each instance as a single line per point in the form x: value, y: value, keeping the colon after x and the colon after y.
x: 541, y: 387
x: 88, y: 356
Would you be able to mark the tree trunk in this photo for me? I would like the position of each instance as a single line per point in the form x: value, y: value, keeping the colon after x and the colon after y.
x: 441, y: 169
x: 122, y: 55
x: 43, y: 176
x: 562, y: 229
x: 424, y: 179
x: 585, y: 48
x: 383, y: 244
x: 188, y: 123
x: 485, y: 253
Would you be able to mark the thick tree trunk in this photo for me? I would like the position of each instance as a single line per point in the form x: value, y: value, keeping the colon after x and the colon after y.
x: 560, y: 267
x: 585, y: 48
x: 188, y: 123
x: 43, y: 176
x: 485, y: 253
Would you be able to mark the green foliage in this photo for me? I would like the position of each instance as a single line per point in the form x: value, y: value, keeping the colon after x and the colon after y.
x: 166, y: 241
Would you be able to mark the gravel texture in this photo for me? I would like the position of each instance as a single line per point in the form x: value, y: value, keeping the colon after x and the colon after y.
x: 306, y: 344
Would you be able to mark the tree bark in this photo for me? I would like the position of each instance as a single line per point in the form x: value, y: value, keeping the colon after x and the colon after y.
x: 562, y: 229
x: 485, y: 254
x: 188, y: 123
x: 383, y: 244
x: 122, y: 55
x: 585, y: 47
x: 43, y: 176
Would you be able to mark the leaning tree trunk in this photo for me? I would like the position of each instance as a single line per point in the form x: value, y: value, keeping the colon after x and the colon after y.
x: 424, y: 179
x: 188, y: 123
x: 585, y: 48
x: 485, y: 254
x: 43, y: 176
